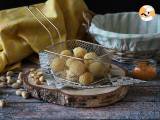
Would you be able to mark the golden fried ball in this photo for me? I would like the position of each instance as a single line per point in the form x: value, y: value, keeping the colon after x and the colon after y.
x: 77, y: 67
x: 66, y: 52
x: 86, y: 78
x: 90, y: 55
x: 69, y: 61
x: 70, y: 76
x: 97, y: 69
x: 79, y: 52
x: 62, y: 74
x: 58, y: 64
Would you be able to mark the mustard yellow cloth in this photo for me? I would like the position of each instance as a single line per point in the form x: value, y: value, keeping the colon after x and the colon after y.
x: 21, y: 34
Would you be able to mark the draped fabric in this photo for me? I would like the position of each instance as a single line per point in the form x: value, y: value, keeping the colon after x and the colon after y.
x: 21, y: 34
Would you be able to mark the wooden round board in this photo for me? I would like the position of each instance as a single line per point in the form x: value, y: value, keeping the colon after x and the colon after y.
x: 77, y: 98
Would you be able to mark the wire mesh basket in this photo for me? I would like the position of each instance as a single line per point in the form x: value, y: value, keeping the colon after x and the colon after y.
x: 71, y: 69
x: 94, y: 68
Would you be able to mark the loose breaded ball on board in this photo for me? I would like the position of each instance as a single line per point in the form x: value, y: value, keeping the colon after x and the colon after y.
x: 66, y: 52
x: 86, y: 78
x: 79, y: 52
x: 90, y: 55
x: 98, y: 69
x: 77, y: 67
x: 58, y: 64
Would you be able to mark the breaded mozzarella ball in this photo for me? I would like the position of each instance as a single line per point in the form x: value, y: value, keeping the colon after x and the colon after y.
x: 77, y: 67
x: 58, y: 64
x: 86, y: 78
x: 79, y: 52
x: 97, y: 69
x: 66, y: 52
x: 90, y: 55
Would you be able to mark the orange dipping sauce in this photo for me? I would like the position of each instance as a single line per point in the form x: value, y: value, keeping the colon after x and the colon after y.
x: 144, y: 70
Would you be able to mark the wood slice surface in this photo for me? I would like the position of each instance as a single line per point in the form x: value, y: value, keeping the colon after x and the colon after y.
x: 96, y: 97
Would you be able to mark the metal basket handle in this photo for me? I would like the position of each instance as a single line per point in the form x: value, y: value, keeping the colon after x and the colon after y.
x: 44, y: 26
